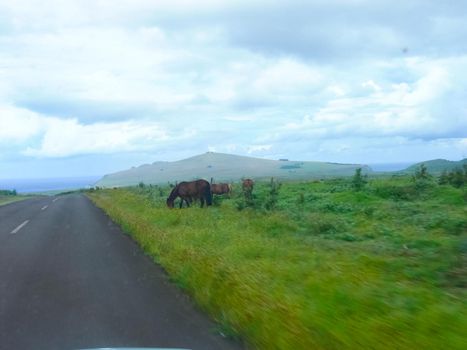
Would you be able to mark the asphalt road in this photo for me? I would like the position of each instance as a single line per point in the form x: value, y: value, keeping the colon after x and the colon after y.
x: 70, y: 279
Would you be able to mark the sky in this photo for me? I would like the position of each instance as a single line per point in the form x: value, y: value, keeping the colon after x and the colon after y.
x: 91, y: 87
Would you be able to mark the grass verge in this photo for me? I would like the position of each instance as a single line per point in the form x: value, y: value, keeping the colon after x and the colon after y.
x: 329, y: 268
x: 10, y: 199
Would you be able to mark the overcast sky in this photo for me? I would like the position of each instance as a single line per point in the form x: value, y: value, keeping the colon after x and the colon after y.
x: 92, y: 87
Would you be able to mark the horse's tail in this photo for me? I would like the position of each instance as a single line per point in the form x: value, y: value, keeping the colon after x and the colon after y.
x: 208, y: 194
x: 172, y: 196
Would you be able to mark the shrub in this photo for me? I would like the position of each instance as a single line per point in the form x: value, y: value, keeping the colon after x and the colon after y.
x: 216, y: 200
x: 334, y: 207
x: 359, y: 180
x: 457, y: 177
x: 421, y: 173
x: 272, y: 195
x: 421, y: 179
x: 318, y: 224
x: 246, y: 201
x: 8, y: 192
x: 443, y: 178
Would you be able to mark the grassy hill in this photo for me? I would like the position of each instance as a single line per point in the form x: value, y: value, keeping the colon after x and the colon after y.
x: 226, y: 167
x: 436, y: 166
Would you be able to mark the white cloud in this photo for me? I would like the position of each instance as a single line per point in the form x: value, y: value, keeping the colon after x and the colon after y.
x: 419, y: 109
x: 68, y: 137
x: 58, y: 137
x: 288, y: 76
x: 103, y: 77
x: 372, y: 85
x: 18, y: 124
x: 258, y: 148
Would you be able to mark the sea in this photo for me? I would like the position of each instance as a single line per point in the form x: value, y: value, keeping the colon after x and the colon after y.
x: 381, y: 167
x: 48, y: 184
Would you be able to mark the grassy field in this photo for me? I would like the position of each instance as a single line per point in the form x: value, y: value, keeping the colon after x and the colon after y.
x: 316, y: 265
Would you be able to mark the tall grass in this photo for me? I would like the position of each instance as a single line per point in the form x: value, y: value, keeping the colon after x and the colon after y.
x: 324, y: 267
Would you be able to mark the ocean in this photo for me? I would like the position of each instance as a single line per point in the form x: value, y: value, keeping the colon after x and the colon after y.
x: 45, y: 185
x: 389, y: 166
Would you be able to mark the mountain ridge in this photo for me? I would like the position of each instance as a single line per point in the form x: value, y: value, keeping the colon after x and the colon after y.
x: 232, y: 167
x: 226, y: 167
x: 437, y: 166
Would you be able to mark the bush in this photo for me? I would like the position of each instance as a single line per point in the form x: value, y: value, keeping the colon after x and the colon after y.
x: 394, y: 192
x: 422, y: 179
x: 334, y: 207
x: 456, y: 177
x: 8, y: 193
x: 359, y: 180
x: 323, y: 224
x: 272, y: 195
x: 216, y: 200
x: 443, y: 178
x: 248, y: 200
x: 421, y: 173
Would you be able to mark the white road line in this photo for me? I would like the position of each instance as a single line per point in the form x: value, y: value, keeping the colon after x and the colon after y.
x: 56, y: 199
x: 20, y: 227
x: 44, y: 207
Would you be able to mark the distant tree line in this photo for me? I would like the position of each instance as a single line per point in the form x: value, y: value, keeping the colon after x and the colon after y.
x: 8, y: 193
x: 456, y: 177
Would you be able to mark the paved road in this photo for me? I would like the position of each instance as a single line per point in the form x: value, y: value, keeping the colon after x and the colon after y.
x: 70, y: 279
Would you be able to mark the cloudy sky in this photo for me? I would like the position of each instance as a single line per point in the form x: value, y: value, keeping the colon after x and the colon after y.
x: 94, y: 86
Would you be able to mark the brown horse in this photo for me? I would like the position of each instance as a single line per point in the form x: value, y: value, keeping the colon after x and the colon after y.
x: 220, y: 188
x: 247, y: 185
x: 187, y: 191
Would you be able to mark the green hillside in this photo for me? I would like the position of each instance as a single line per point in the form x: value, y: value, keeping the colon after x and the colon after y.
x: 436, y: 166
x: 226, y: 167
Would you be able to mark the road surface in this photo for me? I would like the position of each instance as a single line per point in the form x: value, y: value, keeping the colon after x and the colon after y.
x: 70, y: 279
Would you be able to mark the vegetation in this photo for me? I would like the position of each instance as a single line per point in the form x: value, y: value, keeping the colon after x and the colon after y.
x: 437, y: 166
x: 8, y: 193
x: 456, y: 177
x: 9, y: 196
x: 358, y: 180
x: 318, y: 264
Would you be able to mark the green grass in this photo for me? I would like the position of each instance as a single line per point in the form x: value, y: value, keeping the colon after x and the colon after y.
x: 328, y: 268
x: 10, y: 199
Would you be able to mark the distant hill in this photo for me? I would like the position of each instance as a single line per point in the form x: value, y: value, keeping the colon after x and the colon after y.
x: 226, y: 167
x: 436, y: 166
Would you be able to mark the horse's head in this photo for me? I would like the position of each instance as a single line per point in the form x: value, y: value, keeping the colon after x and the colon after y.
x: 171, y: 198
x: 170, y: 203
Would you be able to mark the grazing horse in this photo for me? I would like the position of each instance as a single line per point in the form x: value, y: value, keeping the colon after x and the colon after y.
x: 247, y: 185
x: 187, y: 191
x: 220, y: 188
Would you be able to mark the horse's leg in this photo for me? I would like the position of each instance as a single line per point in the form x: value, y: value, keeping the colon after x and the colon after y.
x: 188, y: 201
x: 181, y: 202
x: 202, y: 201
